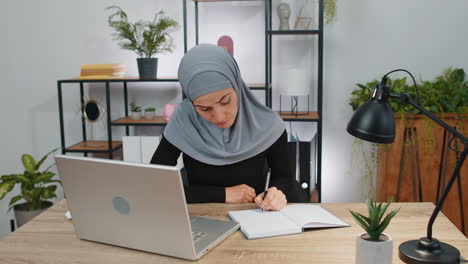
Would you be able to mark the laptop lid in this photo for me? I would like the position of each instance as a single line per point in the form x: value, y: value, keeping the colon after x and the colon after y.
x: 137, y: 206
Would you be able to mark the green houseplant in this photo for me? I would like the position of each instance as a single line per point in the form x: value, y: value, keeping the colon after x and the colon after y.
x: 146, y: 38
x: 149, y: 113
x: 329, y: 10
x: 135, y: 111
x: 36, y: 188
x: 374, y: 246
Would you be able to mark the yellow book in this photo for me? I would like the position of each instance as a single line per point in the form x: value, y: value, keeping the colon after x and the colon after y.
x: 103, y: 66
x: 100, y: 77
x: 103, y: 69
x: 103, y: 72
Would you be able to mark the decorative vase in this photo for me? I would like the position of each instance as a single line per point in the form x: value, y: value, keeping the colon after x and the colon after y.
x: 284, y: 11
x: 135, y: 115
x: 149, y: 115
x: 168, y: 111
x: 22, y: 215
x: 372, y: 252
x: 147, y: 68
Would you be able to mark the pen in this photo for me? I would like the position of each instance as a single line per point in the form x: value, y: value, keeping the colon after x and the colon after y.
x: 266, y: 186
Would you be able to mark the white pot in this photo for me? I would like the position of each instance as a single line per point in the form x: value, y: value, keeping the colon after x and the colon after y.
x: 135, y: 115
x: 23, y: 216
x: 372, y: 252
x: 149, y: 115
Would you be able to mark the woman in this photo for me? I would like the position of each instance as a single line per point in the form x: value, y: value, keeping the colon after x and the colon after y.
x: 229, y: 140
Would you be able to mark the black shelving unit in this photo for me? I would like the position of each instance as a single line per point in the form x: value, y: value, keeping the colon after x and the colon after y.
x: 315, y: 116
x: 104, y: 146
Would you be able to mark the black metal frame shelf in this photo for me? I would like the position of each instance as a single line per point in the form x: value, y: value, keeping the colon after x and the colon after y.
x: 110, y: 148
x: 294, y: 32
x: 269, y: 32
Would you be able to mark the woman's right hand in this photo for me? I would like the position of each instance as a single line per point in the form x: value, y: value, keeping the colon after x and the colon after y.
x: 240, y: 194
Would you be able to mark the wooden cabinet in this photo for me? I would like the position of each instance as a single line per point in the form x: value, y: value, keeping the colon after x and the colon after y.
x: 418, y: 165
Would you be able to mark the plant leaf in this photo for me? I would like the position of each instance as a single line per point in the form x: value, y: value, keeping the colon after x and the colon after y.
x: 385, y: 208
x: 6, y: 187
x: 24, y: 180
x: 43, y: 159
x: 386, y: 221
x: 51, y: 181
x: 15, y: 199
x: 29, y: 163
x: 44, y: 177
x: 8, y: 177
x: 49, y: 192
x: 359, y: 219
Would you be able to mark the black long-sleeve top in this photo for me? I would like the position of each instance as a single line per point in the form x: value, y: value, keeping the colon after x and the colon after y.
x: 206, y: 183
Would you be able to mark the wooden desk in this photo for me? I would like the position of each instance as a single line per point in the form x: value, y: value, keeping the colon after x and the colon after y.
x: 50, y: 238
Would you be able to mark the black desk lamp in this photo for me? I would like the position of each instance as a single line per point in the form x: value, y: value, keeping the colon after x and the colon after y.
x: 374, y: 121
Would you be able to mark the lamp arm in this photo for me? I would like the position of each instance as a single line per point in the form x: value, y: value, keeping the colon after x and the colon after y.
x: 440, y: 203
x: 406, y: 99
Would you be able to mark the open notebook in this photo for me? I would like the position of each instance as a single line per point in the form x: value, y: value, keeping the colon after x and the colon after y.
x: 292, y: 219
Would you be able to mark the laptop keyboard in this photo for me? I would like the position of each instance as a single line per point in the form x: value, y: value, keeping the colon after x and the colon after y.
x: 197, y: 236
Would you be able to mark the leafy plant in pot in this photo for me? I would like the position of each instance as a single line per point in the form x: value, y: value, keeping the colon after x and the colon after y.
x: 35, y: 188
x: 135, y: 111
x: 374, y: 246
x: 146, y: 38
x: 149, y: 113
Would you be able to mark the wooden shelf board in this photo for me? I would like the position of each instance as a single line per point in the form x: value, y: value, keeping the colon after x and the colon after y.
x: 256, y: 85
x: 94, y: 145
x: 226, y: 0
x: 123, y: 79
x: 158, y: 120
x: 312, y: 116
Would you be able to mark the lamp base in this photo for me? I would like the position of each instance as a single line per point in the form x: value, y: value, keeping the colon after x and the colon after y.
x: 428, y: 251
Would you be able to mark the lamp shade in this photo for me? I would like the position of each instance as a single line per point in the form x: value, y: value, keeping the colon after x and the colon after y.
x: 373, y: 121
x: 297, y: 83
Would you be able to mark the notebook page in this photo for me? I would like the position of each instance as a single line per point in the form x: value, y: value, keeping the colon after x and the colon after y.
x: 257, y: 224
x: 310, y: 216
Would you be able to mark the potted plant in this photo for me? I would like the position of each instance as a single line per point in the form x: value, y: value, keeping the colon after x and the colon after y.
x: 329, y: 11
x: 149, y: 113
x: 146, y: 38
x: 374, y: 246
x: 135, y: 112
x: 35, y: 189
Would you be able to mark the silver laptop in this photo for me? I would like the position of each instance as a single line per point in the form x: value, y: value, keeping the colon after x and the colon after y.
x: 137, y: 206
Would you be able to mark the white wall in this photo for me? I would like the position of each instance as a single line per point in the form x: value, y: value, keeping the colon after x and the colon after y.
x: 44, y: 41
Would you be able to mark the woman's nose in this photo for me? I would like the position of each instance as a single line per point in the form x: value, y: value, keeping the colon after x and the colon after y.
x: 218, y: 116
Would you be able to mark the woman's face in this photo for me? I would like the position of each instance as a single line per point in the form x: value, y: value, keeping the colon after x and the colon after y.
x: 218, y: 108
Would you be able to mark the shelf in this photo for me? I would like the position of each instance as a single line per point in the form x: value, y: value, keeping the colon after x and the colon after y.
x: 226, y: 0
x: 127, y: 121
x: 94, y: 146
x: 122, y: 79
x: 294, y: 32
x: 301, y: 116
x: 256, y: 86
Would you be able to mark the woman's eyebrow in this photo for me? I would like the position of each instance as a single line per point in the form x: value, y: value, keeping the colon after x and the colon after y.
x: 224, y: 96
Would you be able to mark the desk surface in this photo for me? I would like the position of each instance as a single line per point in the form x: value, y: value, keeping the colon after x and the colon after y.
x: 50, y: 238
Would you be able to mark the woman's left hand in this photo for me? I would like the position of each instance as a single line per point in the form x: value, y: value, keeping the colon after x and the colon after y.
x: 274, y: 201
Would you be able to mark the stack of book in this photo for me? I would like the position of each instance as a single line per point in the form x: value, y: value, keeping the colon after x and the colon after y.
x: 103, y: 71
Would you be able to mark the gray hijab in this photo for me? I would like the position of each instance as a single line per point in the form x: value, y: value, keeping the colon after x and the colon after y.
x: 208, y: 68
